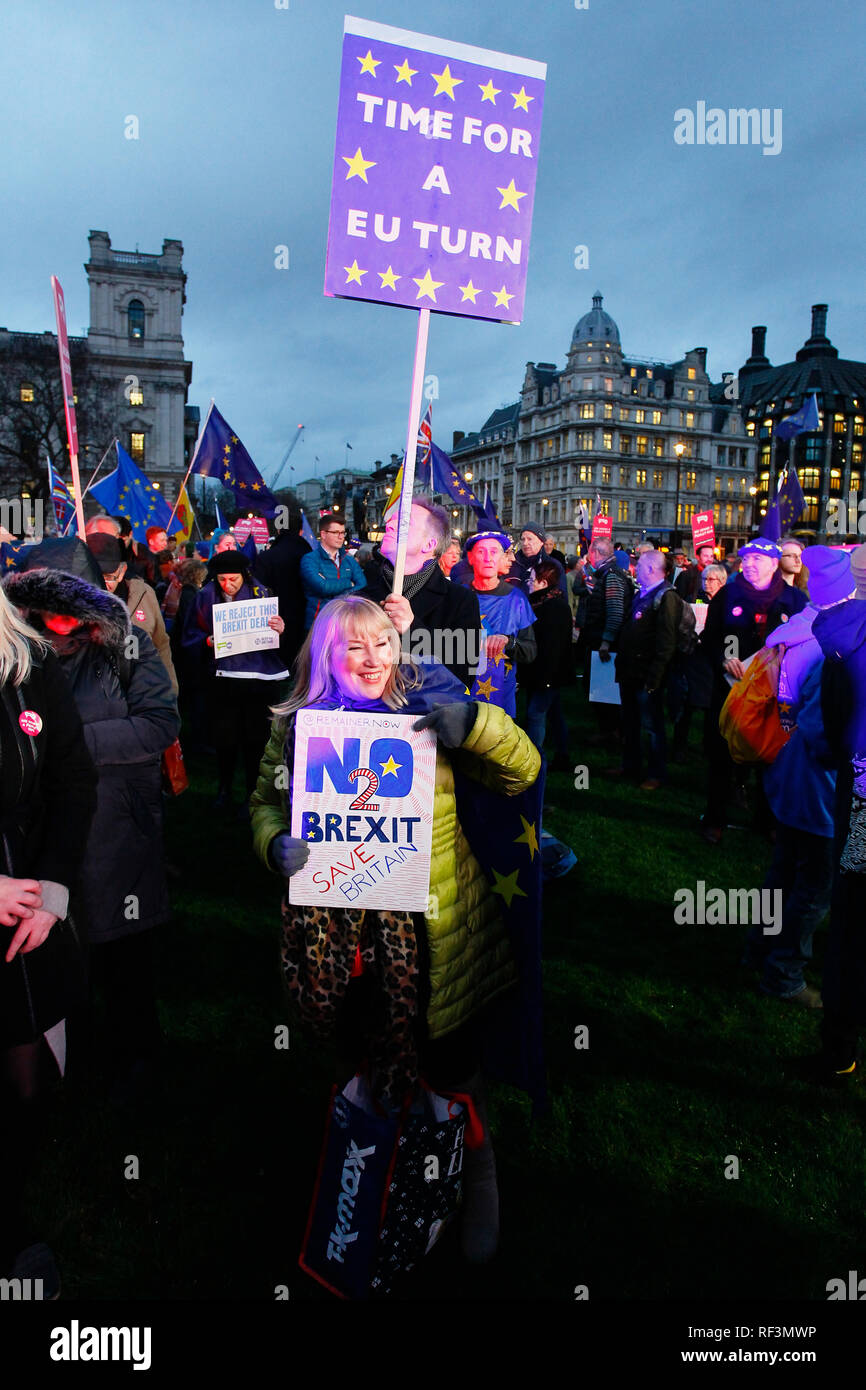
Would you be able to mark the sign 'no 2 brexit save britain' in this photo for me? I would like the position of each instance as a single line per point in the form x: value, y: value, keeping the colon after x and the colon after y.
x: 434, y: 173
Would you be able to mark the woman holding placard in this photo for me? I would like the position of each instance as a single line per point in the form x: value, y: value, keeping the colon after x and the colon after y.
x: 421, y: 980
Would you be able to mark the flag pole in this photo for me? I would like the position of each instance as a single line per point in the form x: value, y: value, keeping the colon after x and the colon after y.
x: 97, y: 468
x: 191, y: 462
x: 411, y: 449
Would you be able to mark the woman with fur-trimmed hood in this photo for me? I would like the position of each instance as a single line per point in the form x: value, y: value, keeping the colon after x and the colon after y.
x: 123, y: 695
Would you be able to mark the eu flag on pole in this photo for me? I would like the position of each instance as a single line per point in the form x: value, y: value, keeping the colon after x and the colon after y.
x: 801, y: 422
x: 488, y: 518
x: 785, y: 508
x: 128, y: 492
x: 220, y: 454
x: 307, y: 531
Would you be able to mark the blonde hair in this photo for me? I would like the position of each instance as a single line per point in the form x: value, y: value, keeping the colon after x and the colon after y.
x: 18, y: 641
x: 338, y: 621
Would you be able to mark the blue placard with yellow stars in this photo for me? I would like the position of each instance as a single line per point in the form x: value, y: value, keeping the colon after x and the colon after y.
x: 434, y: 173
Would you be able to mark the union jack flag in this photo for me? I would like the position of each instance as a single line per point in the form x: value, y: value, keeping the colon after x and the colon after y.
x: 425, y: 436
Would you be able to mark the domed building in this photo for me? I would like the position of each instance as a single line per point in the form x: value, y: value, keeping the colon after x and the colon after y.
x: 655, y: 442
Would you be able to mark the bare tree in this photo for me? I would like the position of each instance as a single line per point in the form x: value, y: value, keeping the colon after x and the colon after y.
x: 32, y: 420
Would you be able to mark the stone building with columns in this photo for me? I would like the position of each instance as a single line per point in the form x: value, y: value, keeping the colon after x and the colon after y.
x: 654, y: 441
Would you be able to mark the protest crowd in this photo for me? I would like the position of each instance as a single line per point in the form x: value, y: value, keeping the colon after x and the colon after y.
x: 110, y: 664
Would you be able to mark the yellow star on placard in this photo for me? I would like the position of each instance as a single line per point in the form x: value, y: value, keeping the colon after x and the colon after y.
x: 486, y: 688
x: 369, y: 64
x: 354, y: 273
x: 427, y: 285
x: 469, y: 292
x: 506, y: 885
x: 404, y: 72
x: 488, y: 91
x: 445, y: 82
x: 390, y: 766
x: 522, y: 100
x: 529, y: 837
x: 358, y: 165
x: 388, y: 278
x: 501, y: 298
x: 510, y: 196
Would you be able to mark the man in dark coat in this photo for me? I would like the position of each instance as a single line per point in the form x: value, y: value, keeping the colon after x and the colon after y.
x: 436, y: 617
x: 647, y: 644
x: 529, y: 556
x: 739, y: 620
x: 688, y: 581
x: 609, y: 596
x: 279, y: 568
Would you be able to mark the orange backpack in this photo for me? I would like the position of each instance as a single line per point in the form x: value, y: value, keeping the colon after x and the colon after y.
x: 749, y: 720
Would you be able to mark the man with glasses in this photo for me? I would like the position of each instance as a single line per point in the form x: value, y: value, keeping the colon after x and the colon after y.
x: 329, y: 570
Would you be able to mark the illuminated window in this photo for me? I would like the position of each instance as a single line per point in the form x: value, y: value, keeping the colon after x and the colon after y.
x: 136, y: 397
x: 608, y: 383
x: 587, y: 411
x: 658, y: 477
x: 690, y: 419
x: 608, y: 410
x: 811, y: 513
x: 586, y: 440
x: 690, y: 481
x: 765, y: 456
x: 633, y: 371
x: 730, y: 484
x: 26, y: 394
x: 856, y: 459
x: 858, y: 425
x: 640, y: 417
x: 835, y: 480
x: 640, y: 477
x: 856, y: 477
x: 136, y: 447
x: 686, y: 511
x: 691, y: 373
x: 809, y: 478
x: 606, y: 474
x: 649, y: 372
x: 717, y: 512
x: 605, y: 506
x: 741, y: 516
x: 717, y: 483
x: 135, y: 318
x: 607, y: 440
x: 589, y: 357
x: 659, y: 447
x: 657, y: 417
x: 838, y: 424
x: 622, y: 511
x: 623, y: 412
x: 750, y: 429
x: 585, y: 473
x: 642, y: 446
x: 625, y: 477
x: 625, y: 443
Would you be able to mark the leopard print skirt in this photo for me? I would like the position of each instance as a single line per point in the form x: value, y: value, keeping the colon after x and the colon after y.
x: 318, y: 953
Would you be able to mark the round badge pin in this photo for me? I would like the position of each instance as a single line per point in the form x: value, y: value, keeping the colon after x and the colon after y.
x: 139, y: 615
x: 30, y: 722
x: 736, y: 612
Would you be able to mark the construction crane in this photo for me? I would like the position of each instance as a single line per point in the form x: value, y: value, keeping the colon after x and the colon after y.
x: 286, y: 456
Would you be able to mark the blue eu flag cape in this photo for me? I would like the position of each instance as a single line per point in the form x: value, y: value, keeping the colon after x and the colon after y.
x: 501, y: 614
x: 128, y: 492
x: 787, y: 505
x: 221, y: 455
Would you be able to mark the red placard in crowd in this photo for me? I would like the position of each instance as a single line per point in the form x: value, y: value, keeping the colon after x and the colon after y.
x: 703, y: 531
x: 602, y: 526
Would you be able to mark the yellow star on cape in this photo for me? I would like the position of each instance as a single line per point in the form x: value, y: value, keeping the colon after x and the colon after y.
x: 427, y: 285
x: 445, y: 82
x: 354, y: 273
x: 528, y: 837
x: 500, y: 656
x: 510, y: 196
x: 390, y: 766
x: 257, y: 487
x: 369, y: 63
x: 469, y: 292
x: 500, y: 297
x: 522, y: 99
x: 404, y: 72
x: 506, y: 885
x: 358, y: 165
x: 234, y: 439
x: 486, y: 688
x: 488, y: 91
x: 388, y: 278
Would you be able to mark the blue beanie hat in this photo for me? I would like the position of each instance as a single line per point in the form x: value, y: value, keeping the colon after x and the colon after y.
x: 830, y: 577
x: 760, y: 546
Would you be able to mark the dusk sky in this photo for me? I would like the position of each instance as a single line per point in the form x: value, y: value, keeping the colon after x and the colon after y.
x: 689, y: 244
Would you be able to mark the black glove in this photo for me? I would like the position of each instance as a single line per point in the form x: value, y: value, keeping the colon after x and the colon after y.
x: 287, y: 854
x: 452, y: 724
x: 604, y: 652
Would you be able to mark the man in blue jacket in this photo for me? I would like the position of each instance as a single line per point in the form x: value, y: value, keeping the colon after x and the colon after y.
x: 329, y: 570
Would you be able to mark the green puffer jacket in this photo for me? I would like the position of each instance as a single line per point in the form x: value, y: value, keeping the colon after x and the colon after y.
x: 470, y: 954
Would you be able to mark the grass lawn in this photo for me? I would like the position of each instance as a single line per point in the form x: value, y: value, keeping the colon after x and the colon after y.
x: 621, y: 1188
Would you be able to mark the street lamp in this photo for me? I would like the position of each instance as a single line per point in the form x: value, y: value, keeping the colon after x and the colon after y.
x: 679, y: 450
x: 467, y: 477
